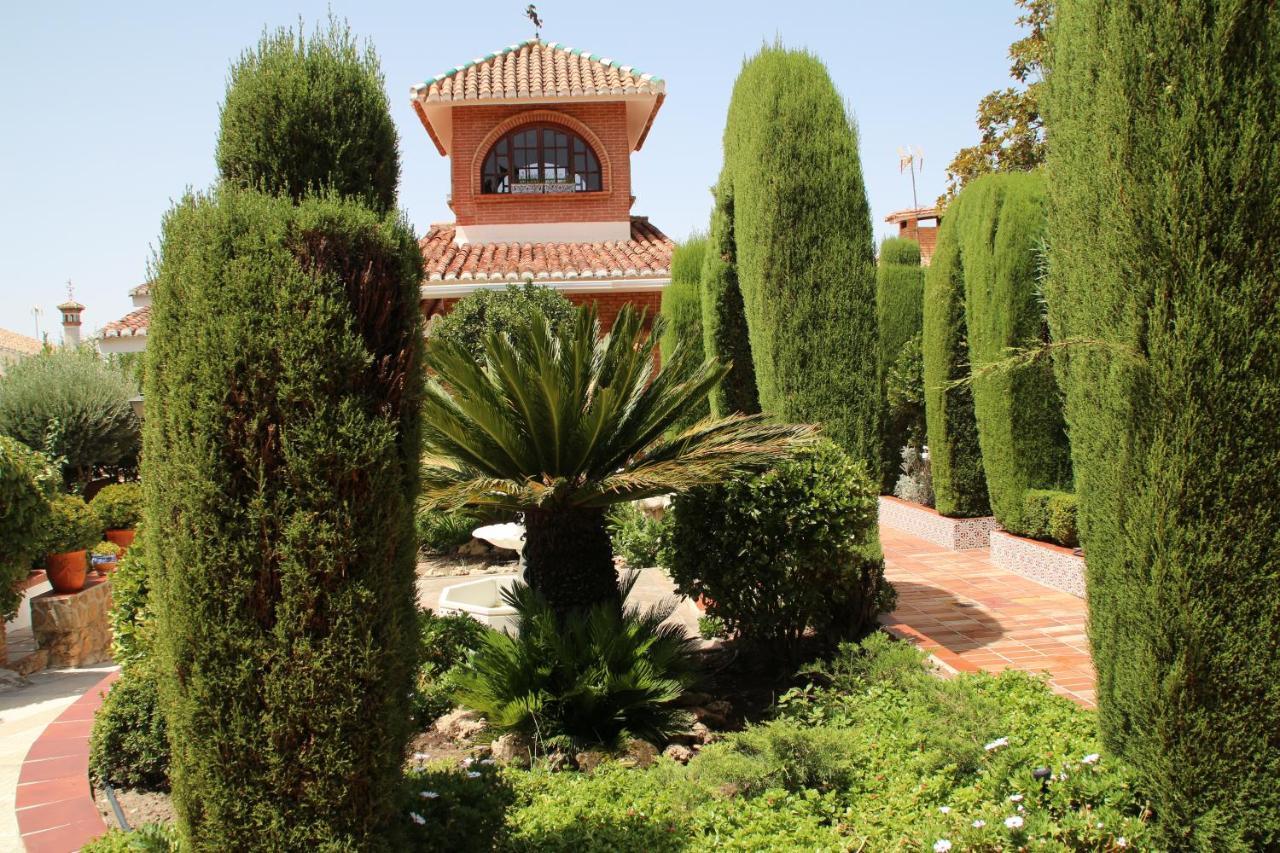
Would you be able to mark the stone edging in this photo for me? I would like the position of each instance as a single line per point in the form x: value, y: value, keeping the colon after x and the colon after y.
x: 54, y: 803
x: 956, y: 534
x: 1043, y: 562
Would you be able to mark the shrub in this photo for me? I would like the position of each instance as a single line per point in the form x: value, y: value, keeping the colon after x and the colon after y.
x: 148, y: 838
x: 305, y: 114
x: 905, y: 393
x: 915, y: 483
x: 118, y: 505
x: 724, y: 321
x: 590, y: 678
x: 132, y: 619
x: 637, y: 537
x: 805, y: 259
x: 784, y: 552
x: 1050, y: 516
x: 70, y: 526
x: 477, y: 315
x: 1162, y: 284
x: 899, y: 303
x: 283, y: 389
x: 959, y: 485
x: 682, y: 308
x: 444, y: 644
x: 27, y: 481
x: 781, y: 754
x: 74, y: 407
x: 129, y: 747
x: 1018, y: 407
x: 440, y: 531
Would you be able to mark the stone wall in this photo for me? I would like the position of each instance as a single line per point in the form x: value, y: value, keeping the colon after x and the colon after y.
x: 1049, y: 564
x: 73, y: 627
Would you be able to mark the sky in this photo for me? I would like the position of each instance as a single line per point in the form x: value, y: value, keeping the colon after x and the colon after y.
x: 110, y: 111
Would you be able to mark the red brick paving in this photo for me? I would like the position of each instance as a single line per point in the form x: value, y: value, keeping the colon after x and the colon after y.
x: 972, y: 615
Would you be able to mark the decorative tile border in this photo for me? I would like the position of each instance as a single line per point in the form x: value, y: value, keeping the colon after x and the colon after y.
x: 956, y: 534
x: 1048, y: 564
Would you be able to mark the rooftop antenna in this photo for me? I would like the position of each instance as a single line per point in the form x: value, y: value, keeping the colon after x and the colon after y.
x: 911, y: 157
x: 531, y: 12
x: 71, y: 291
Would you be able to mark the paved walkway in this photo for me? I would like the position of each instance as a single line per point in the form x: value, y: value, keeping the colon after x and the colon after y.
x: 972, y: 615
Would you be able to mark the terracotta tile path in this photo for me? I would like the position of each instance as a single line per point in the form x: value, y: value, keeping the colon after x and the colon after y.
x: 972, y: 615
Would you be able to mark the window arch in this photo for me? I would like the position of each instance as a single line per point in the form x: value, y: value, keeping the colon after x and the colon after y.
x: 538, y: 159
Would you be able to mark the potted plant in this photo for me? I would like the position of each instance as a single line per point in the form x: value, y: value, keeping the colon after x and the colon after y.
x: 104, y: 556
x: 70, y: 530
x: 119, y: 506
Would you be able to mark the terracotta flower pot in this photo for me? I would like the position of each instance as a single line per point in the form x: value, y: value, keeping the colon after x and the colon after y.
x: 123, y: 538
x: 67, y: 572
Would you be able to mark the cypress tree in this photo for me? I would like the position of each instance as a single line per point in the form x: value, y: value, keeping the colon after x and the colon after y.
x: 1164, y: 165
x: 804, y: 249
x: 959, y: 486
x: 724, y: 323
x: 682, y: 308
x: 899, y: 303
x: 1018, y: 407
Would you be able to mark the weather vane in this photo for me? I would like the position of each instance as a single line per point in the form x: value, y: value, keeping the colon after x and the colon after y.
x: 911, y: 157
x: 532, y: 14
x: 71, y: 296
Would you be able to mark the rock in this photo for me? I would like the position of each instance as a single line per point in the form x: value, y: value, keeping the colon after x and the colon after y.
x: 474, y: 548
x: 640, y: 753
x: 511, y: 749
x: 558, y: 762
x: 697, y: 734
x: 678, y: 752
x: 714, y: 714
x: 461, y: 724
x: 589, y: 760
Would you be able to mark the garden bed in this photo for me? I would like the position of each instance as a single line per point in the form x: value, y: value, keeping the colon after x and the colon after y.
x: 1049, y: 564
x: 957, y: 534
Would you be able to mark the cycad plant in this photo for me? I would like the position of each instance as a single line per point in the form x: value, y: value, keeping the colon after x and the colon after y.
x: 559, y: 425
x: 595, y: 677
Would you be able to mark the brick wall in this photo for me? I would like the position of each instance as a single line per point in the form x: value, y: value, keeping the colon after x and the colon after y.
x: 606, y: 131
x: 607, y: 304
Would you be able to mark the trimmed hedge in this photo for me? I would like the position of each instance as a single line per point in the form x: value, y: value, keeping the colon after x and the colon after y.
x: 118, y: 505
x: 477, y: 315
x: 305, y: 114
x: 1050, y: 516
x: 805, y: 258
x: 1163, y: 281
x: 724, y: 322
x: 959, y: 485
x: 899, y: 307
x: 27, y: 482
x: 1018, y: 409
x: 682, y: 308
x: 281, y: 459
x: 129, y: 746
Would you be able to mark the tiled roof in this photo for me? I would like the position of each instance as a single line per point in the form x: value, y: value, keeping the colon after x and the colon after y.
x: 15, y: 342
x: 534, y: 69
x: 646, y: 255
x: 912, y: 213
x: 133, y: 323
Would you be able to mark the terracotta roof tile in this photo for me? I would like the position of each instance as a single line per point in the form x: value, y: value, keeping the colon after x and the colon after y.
x: 133, y: 323
x: 646, y: 254
x: 16, y: 342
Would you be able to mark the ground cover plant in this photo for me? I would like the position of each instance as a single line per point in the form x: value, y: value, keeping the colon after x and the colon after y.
x: 1162, y: 286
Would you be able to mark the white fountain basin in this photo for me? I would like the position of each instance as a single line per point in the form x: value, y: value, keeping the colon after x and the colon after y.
x: 482, y: 601
x: 509, y: 536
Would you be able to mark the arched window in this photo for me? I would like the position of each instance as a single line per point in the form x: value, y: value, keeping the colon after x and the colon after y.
x: 537, y: 159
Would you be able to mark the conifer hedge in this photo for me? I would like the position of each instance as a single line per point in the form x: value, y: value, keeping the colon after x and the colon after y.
x: 805, y: 258
x: 1018, y: 407
x: 1163, y: 166
x: 724, y: 321
x: 959, y: 486
x: 682, y: 308
x: 899, y: 303
x: 280, y: 464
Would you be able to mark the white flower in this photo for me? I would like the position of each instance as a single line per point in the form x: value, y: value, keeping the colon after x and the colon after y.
x: 1014, y: 822
x: 1099, y: 824
x: 1121, y: 842
x: 428, y: 795
x: 996, y: 744
x: 417, y: 818
x: 942, y: 845
x: 1091, y: 758
x: 473, y: 774
x: 420, y: 756
x: 978, y: 824
x: 1021, y: 809
x: 468, y: 761
x: 1015, y: 798
x: 945, y: 809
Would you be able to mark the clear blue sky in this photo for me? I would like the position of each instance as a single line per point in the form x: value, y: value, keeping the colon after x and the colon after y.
x: 111, y: 110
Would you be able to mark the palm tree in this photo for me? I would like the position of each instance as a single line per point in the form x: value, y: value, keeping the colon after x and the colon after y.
x: 559, y: 425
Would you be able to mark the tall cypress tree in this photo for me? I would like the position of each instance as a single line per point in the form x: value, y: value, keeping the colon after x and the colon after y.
x: 724, y: 321
x: 1164, y: 170
x: 899, y: 303
x: 682, y: 308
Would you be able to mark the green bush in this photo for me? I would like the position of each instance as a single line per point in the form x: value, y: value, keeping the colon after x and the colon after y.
x: 637, y: 537
x: 724, y: 321
x: 1050, y: 516
x: 310, y: 114
x: 118, y: 505
x: 899, y: 307
x: 129, y: 746
x: 444, y: 642
x: 682, y: 308
x: 75, y: 407
x: 477, y: 315
x: 805, y: 259
x: 148, y: 838
x: 70, y: 526
x: 132, y: 619
x: 441, y: 531
x: 27, y: 481
x: 788, y: 551
x: 959, y: 484
x: 591, y: 678
x: 1162, y: 286
x: 904, y: 395
x: 1017, y: 406
x: 280, y: 469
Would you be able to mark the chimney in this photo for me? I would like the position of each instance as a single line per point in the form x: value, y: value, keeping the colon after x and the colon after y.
x: 70, y: 320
